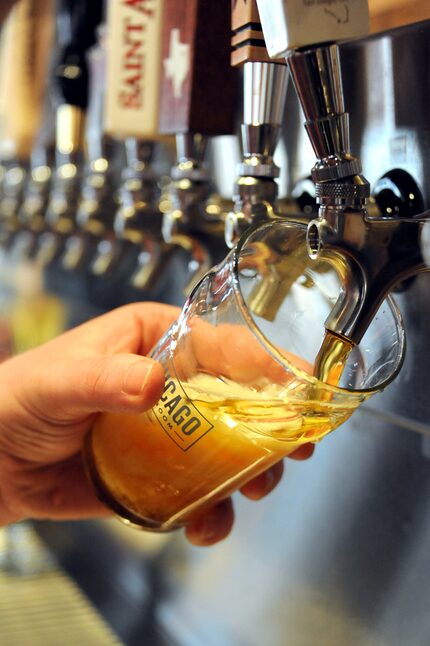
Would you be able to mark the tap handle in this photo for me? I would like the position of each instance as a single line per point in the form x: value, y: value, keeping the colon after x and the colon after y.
x: 95, y: 119
x: 306, y: 33
x: 198, y: 85
x: 25, y: 49
x: 247, y: 38
x: 77, y: 21
x: 133, y: 63
x: 293, y: 24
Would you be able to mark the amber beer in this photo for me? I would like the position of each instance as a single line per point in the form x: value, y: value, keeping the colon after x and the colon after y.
x: 203, y: 439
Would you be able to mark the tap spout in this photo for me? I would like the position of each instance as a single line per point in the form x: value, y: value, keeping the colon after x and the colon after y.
x: 195, y: 219
x: 151, y: 263
x: 371, y: 255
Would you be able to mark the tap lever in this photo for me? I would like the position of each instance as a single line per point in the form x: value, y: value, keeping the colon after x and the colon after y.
x: 133, y: 66
x: 196, y: 75
x: 317, y: 78
x: 294, y: 24
x: 247, y: 40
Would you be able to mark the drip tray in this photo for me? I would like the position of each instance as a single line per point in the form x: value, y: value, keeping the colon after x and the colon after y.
x: 39, y: 604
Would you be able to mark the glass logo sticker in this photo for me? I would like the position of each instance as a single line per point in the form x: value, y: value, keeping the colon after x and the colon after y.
x: 178, y: 416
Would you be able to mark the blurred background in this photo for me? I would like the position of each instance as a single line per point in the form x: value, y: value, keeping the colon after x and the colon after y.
x: 120, y: 140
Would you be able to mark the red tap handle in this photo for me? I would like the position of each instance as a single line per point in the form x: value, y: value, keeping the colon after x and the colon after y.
x: 198, y: 85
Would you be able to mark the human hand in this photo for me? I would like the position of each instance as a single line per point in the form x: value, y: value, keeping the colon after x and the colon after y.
x: 50, y: 397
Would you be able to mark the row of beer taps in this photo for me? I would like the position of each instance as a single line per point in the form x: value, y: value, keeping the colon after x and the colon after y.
x: 150, y: 82
x: 89, y: 190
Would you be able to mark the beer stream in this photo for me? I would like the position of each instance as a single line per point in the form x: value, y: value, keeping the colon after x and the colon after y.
x: 331, y: 359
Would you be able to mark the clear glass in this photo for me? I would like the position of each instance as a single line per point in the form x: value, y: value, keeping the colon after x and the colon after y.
x: 239, y: 392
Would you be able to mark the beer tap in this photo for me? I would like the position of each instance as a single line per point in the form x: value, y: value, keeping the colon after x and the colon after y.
x: 256, y: 188
x: 138, y: 219
x: 196, y: 78
x: 264, y: 92
x: 77, y: 21
x: 94, y: 242
x: 369, y: 253
x: 31, y: 215
x: 26, y: 40
x: 133, y: 67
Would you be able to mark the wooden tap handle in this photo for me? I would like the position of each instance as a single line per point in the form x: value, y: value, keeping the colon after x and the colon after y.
x: 198, y: 85
x: 26, y: 42
x: 133, y: 63
x: 247, y: 40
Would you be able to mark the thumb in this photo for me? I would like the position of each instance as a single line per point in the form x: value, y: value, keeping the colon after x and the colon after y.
x: 113, y: 383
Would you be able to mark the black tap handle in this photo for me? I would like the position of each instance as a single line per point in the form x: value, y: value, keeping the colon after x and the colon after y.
x: 77, y: 22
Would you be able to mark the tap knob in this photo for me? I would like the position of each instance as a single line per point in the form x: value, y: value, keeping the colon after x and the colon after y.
x: 26, y: 41
x: 77, y: 22
x: 198, y: 86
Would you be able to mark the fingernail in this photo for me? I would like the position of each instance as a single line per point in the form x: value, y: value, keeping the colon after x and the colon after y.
x: 261, y: 485
x: 270, y: 479
x: 204, y: 532
x: 136, y: 377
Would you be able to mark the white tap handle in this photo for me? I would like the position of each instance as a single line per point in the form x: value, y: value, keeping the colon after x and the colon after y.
x: 133, y: 67
x: 290, y: 24
x: 26, y: 42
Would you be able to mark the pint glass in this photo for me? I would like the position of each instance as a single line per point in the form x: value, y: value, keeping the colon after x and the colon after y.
x: 239, y: 392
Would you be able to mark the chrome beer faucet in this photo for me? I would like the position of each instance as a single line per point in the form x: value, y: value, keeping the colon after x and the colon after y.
x: 94, y: 244
x: 76, y: 32
x: 264, y: 91
x: 138, y: 219
x: 195, y: 219
x: 196, y: 79
x: 31, y: 215
x: 370, y: 253
x: 24, y: 65
x: 132, y: 106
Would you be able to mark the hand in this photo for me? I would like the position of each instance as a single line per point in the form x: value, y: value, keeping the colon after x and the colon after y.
x: 49, y: 398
